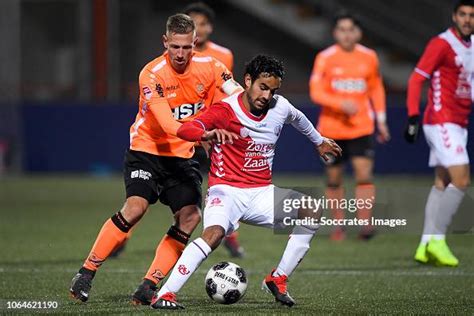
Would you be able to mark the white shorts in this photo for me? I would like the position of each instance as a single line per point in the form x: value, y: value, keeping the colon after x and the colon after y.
x: 227, y: 205
x: 447, y: 144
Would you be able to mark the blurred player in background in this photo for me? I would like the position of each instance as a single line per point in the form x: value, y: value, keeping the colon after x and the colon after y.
x: 173, y: 88
x: 240, y: 178
x: 204, y: 17
x: 448, y: 62
x: 346, y: 83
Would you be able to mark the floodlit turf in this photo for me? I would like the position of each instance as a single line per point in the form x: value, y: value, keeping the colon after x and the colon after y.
x: 47, y: 225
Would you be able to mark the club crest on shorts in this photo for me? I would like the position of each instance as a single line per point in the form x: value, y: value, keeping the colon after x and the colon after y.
x: 216, y: 201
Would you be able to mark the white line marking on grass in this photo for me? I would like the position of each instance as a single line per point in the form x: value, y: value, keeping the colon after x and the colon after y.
x: 430, y: 272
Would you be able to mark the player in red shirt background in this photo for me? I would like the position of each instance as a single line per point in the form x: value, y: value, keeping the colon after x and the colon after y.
x: 448, y: 64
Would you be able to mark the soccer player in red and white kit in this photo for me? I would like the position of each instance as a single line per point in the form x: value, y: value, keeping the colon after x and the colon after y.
x: 240, y: 180
x: 448, y: 62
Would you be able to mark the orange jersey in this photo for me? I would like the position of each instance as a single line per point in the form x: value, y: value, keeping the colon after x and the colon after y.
x: 168, y: 98
x: 220, y: 53
x: 340, y: 76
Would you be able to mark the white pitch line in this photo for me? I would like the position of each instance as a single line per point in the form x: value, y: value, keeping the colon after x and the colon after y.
x: 439, y: 272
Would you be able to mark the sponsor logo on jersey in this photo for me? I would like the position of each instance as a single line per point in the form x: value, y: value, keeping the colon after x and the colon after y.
x: 350, y: 85
x: 186, y: 110
x: 141, y: 174
x: 226, y: 76
x: 159, y: 90
x: 147, y: 93
x: 172, y: 87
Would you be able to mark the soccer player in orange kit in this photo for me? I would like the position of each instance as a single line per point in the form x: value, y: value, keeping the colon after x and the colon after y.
x: 346, y: 83
x: 174, y: 88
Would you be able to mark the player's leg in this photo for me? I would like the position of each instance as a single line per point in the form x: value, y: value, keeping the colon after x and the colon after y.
x: 218, y: 219
x: 448, y: 149
x: 141, y: 192
x: 193, y: 255
x: 335, y: 191
x: 183, y: 195
x: 441, y: 181
x: 365, y: 189
x: 262, y: 212
x: 448, y: 205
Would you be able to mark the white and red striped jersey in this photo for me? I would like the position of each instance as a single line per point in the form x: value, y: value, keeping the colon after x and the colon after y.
x: 247, y: 162
x: 448, y: 61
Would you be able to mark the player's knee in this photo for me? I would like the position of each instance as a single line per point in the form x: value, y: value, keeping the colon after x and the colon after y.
x: 213, y: 236
x: 134, y: 209
x: 462, y: 183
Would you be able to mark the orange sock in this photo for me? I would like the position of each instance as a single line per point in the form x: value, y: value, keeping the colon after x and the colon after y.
x: 365, y: 192
x: 113, y: 233
x: 167, y: 254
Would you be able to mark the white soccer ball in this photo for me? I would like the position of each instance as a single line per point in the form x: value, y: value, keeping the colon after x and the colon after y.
x: 226, y: 283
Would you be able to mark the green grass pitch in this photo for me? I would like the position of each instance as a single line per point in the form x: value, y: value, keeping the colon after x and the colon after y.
x: 48, y: 224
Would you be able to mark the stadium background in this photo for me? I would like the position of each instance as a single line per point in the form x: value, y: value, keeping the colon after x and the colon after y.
x: 68, y: 91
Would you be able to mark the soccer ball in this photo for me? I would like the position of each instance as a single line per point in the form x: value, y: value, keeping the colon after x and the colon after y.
x: 226, y: 283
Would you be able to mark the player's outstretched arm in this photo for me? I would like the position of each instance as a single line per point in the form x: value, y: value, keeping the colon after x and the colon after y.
x: 220, y: 136
x: 194, y: 131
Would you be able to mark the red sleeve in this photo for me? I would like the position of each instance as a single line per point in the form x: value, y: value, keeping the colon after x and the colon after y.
x: 432, y: 57
x: 190, y: 131
x: 415, y: 85
x: 428, y: 63
x: 217, y: 116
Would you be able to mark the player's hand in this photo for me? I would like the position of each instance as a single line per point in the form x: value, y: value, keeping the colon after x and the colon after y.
x: 329, y: 148
x: 412, y: 129
x: 220, y: 136
x: 349, y: 107
x: 383, y: 135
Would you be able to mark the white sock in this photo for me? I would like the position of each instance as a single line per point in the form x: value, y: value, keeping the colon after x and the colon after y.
x: 431, y: 209
x: 448, y: 206
x: 193, y: 255
x: 296, y: 249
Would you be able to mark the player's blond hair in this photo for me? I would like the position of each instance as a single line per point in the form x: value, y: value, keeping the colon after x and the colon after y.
x: 180, y: 24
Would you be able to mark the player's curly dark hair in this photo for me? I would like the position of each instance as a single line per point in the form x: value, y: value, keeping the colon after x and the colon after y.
x: 201, y: 8
x: 180, y: 24
x: 264, y: 64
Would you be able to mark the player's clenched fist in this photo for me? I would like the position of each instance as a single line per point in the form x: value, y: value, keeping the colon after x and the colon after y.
x: 329, y: 148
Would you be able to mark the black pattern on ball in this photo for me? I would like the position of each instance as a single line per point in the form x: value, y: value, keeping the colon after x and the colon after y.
x: 241, y: 275
x: 211, y: 287
x: 231, y: 296
x: 220, y: 266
